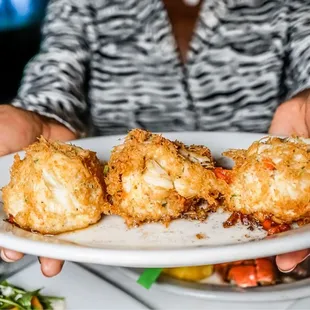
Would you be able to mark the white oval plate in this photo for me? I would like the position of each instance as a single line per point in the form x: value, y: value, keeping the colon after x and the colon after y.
x: 214, y: 290
x: 111, y: 243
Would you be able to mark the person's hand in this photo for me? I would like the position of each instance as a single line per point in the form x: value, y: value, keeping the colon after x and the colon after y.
x: 18, y: 129
x: 292, y: 118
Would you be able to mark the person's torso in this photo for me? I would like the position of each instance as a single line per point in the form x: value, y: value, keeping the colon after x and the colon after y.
x: 232, y: 79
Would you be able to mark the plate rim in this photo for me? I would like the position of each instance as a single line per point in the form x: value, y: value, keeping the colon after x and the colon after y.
x: 154, y: 258
x: 296, y: 305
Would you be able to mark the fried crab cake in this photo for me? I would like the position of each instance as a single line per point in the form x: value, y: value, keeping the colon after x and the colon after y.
x: 271, y: 180
x: 56, y: 188
x: 151, y: 179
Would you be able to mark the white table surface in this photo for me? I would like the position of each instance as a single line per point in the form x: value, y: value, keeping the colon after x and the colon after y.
x: 82, y: 290
x: 158, y: 299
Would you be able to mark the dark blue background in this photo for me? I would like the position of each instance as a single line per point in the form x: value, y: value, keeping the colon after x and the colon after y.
x: 20, y: 13
x: 20, y: 27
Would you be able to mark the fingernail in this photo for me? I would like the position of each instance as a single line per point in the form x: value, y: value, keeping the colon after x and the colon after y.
x: 294, y: 266
x: 5, y: 258
x: 288, y: 270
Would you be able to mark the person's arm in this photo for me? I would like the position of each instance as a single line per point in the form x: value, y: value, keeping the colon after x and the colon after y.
x: 53, y: 82
x: 52, y: 87
x: 293, y: 115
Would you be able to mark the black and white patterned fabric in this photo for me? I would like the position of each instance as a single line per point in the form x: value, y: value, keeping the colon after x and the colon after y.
x: 113, y: 65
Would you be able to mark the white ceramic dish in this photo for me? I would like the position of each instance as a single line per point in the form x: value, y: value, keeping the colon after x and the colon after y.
x: 153, y: 245
x: 302, y: 304
x: 213, y: 289
x: 81, y: 288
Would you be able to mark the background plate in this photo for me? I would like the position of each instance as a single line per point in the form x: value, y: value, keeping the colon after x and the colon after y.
x: 303, y: 304
x: 281, y: 292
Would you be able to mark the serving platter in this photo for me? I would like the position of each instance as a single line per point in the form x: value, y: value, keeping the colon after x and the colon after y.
x: 214, y: 289
x: 110, y: 242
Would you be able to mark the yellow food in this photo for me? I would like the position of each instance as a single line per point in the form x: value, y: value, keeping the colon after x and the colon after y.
x: 35, y: 303
x: 272, y: 179
x: 56, y: 188
x: 193, y: 274
x: 153, y: 179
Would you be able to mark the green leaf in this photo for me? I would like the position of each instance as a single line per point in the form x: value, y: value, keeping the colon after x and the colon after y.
x: 4, y: 283
x: 5, y: 289
x: 36, y: 292
x: 149, y: 276
x: 25, y: 301
x: 9, y: 303
x: 52, y: 297
x: 46, y: 301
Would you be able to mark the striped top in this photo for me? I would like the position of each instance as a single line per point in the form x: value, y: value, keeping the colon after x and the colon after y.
x: 107, y: 66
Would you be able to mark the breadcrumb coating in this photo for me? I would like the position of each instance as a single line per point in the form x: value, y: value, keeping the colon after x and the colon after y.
x: 271, y: 180
x: 152, y: 179
x: 56, y: 188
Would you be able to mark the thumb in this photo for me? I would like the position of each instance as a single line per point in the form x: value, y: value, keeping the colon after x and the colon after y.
x: 280, y: 128
x: 4, y: 150
x: 281, y: 124
x: 8, y: 143
x: 290, y: 119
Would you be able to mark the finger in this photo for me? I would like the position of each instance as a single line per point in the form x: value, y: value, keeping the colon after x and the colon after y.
x: 50, y: 267
x: 10, y: 256
x: 285, y: 122
x: 288, y: 262
x: 278, y: 128
x: 280, y: 125
x: 4, y: 151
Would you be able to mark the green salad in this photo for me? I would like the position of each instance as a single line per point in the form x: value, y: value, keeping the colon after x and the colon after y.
x: 15, y: 298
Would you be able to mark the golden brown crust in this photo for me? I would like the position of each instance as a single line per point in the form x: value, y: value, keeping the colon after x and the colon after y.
x: 56, y: 188
x: 271, y: 180
x: 152, y: 179
x: 59, y: 187
x: 238, y: 156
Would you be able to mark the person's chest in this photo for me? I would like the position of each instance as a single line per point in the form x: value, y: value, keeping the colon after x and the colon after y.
x: 235, y: 55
